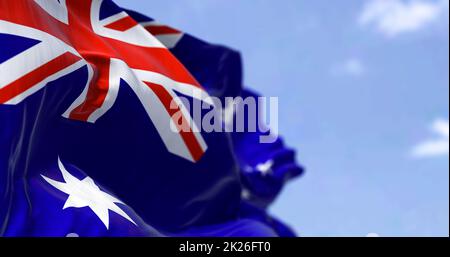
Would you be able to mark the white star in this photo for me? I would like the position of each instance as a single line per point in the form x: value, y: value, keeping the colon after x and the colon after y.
x: 85, y: 193
x: 265, y: 168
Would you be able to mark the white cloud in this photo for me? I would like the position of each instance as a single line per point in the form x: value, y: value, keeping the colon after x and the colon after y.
x: 353, y: 67
x: 372, y: 235
x: 438, y: 146
x: 393, y: 17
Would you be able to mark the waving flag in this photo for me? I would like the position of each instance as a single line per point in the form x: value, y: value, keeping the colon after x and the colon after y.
x: 114, y: 48
x: 85, y: 115
x: 264, y: 167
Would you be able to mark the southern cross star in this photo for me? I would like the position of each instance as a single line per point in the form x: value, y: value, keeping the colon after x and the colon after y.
x: 85, y: 193
x: 265, y: 168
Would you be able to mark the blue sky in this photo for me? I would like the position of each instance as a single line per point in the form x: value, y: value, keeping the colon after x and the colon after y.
x: 364, y: 97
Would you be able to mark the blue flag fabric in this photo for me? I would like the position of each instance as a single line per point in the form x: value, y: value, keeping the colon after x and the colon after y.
x: 117, y: 176
x: 264, y: 167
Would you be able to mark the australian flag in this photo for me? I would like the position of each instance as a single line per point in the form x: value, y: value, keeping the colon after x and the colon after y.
x: 86, y: 146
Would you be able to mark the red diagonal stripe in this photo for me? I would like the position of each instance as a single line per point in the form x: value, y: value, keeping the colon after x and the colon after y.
x: 123, y: 24
x: 158, y: 60
x: 161, y: 30
x: 188, y: 136
x: 30, y: 14
x: 34, y: 77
